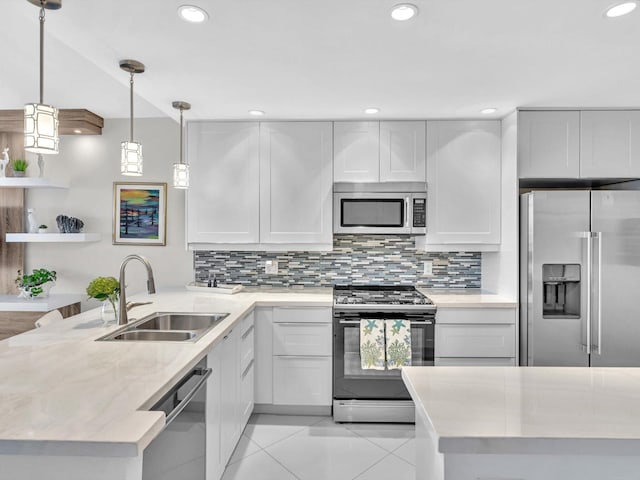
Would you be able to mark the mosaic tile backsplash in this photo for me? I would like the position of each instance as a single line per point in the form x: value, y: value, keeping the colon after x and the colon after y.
x: 356, y: 259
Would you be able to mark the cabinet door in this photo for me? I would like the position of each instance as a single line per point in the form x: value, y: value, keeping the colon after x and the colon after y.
x: 549, y: 144
x: 356, y: 153
x: 463, y: 167
x: 229, y: 404
x: 296, y: 182
x: 246, y: 394
x: 222, y: 200
x: 214, y: 464
x: 610, y: 144
x: 475, y: 341
x: 302, y: 338
x: 402, y: 152
x: 263, y: 355
x: 302, y: 380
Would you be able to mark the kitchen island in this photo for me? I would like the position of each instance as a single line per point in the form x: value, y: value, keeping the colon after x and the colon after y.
x: 77, y: 409
x: 530, y: 423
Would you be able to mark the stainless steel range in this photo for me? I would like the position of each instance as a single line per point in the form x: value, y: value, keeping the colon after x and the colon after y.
x: 377, y: 394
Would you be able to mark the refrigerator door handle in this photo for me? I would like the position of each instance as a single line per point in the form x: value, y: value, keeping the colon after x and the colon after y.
x: 598, y: 291
x: 586, y: 346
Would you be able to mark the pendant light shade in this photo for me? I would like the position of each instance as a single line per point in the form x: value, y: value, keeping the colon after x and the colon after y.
x: 131, y: 152
x: 41, y: 121
x: 181, y: 170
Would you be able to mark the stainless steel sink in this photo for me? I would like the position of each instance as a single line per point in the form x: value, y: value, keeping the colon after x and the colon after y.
x: 180, y: 321
x: 155, y: 335
x: 167, y: 327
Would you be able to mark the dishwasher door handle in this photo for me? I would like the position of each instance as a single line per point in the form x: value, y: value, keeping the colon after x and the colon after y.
x: 205, y: 373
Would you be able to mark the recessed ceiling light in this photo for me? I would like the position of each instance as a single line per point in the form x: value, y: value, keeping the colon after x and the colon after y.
x: 403, y: 12
x: 621, y: 9
x: 487, y: 111
x: 371, y: 110
x: 193, y: 14
x: 256, y: 113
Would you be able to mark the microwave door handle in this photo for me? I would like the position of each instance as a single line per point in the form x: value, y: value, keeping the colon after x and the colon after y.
x: 406, y: 212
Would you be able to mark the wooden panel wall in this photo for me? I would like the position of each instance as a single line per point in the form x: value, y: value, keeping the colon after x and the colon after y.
x: 11, y: 219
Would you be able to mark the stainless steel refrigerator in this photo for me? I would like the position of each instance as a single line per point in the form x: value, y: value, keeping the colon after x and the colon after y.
x: 580, y: 278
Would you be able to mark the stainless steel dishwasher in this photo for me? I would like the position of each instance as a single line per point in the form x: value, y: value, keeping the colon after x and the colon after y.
x: 179, y: 450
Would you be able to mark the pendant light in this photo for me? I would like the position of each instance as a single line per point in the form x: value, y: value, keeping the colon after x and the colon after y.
x: 131, y: 154
x: 181, y: 170
x: 40, y: 120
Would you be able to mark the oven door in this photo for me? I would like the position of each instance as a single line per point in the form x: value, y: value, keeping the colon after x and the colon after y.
x: 350, y: 381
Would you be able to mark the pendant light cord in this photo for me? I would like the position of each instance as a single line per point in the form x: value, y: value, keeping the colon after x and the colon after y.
x: 42, y: 2
x: 131, y: 105
x: 181, y: 130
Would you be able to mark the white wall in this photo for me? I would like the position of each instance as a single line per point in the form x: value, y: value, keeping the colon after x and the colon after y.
x: 92, y: 164
x: 500, y: 269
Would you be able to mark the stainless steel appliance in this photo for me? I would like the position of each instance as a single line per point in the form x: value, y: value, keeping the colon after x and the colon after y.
x: 179, y: 450
x: 580, y: 278
x: 361, y: 395
x: 371, y: 208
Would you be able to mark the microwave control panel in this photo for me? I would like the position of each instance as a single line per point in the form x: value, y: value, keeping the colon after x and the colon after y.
x: 419, y: 212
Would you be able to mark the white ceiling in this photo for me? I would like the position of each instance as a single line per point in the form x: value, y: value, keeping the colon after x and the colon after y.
x: 305, y: 59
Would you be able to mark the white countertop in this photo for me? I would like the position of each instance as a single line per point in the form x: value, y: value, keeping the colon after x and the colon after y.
x: 62, y: 393
x: 530, y: 410
x: 11, y: 303
x: 467, y: 298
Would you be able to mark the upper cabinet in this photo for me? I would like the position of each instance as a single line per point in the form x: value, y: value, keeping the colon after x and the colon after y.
x: 589, y: 144
x: 610, y: 144
x: 296, y: 182
x: 264, y: 186
x: 464, y: 172
x: 223, y: 198
x: 388, y: 151
x: 549, y: 144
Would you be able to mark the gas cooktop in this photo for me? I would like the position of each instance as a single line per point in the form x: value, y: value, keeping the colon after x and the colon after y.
x: 379, y: 295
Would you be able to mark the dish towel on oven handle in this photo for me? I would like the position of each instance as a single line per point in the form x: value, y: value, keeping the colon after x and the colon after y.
x: 372, y: 344
x: 398, y: 340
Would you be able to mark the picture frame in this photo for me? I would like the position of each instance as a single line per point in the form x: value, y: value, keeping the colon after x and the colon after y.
x: 139, y: 213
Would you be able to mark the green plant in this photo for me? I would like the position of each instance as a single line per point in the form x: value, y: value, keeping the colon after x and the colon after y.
x: 19, y: 165
x: 31, y: 283
x: 104, y: 288
x: 43, y: 226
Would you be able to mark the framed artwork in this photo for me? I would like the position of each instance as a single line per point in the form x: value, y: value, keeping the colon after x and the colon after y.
x: 139, y: 213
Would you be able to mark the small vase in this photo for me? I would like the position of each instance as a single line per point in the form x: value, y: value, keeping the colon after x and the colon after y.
x: 109, y: 313
x: 18, y: 174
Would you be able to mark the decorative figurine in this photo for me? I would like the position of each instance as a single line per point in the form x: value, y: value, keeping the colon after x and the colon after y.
x: 4, y: 162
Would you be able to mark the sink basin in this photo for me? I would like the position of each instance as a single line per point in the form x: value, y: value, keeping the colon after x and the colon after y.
x: 180, y: 321
x: 155, y: 335
x: 167, y: 327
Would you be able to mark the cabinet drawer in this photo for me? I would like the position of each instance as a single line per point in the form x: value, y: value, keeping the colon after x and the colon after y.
x: 302, y: 338
x: 302, y: 315
x: 247, y: 323
x: 302, y: 380
x: 475, y: 341
x: 476, y: 315
x: 475, y: 362
x: 246, y: 394
x: 246, y: 349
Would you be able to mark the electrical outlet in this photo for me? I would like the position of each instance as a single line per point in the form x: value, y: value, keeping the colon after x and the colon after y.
x: 428, y: 268
x: 271, y: 267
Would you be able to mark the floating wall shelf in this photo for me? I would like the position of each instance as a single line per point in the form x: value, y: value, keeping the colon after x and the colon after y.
x: 31, y: 182
x: 52, y: 237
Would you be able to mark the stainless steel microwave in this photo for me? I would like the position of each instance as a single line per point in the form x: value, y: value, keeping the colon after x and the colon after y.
x: 380, y: 212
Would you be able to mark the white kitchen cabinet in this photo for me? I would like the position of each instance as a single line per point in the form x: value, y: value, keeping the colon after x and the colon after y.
x: 223, y: 196
x: 302, y: 338
x: 388, y: 151
x: 356, y: 152
x: 610, y: 144
x: 463, y: 168
x: 476, y: 336
x: 247, y: 369
x: 214, y: 463
x: 402, y: 151
x: 302, y: 380
x: 296, y: 183
x: 548, y: 144
x: 263, y: 355
x: 230, y: 425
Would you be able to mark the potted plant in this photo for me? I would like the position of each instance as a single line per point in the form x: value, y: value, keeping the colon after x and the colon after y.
x: 106, y: 289
x: 37, y: 284
x: 19, y: 167
x: 42, y: 229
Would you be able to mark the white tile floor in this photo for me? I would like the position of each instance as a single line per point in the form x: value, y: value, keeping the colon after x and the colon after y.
x: 278, y: 447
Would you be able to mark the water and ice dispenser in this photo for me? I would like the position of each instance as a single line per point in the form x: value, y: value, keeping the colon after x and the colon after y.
x: 561, y: 290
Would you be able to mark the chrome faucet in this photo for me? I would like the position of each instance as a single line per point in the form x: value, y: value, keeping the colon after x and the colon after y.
x: 123, y: 318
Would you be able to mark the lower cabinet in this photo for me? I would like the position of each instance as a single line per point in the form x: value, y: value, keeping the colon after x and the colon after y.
x: 230, y: 429
x: 247, y: 368
x: 476, y: 336
x: 302, y: 380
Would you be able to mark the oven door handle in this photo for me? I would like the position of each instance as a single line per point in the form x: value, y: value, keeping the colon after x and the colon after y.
x: 357, y: 322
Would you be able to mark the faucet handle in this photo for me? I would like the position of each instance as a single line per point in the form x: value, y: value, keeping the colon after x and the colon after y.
x: 131, y: 305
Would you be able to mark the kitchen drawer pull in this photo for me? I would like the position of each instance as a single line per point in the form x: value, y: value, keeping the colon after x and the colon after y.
x: 303, y: 357
x: 245, y: 334
x: 357, y: 322
x: 205, y: 373
x: 301, y: 324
